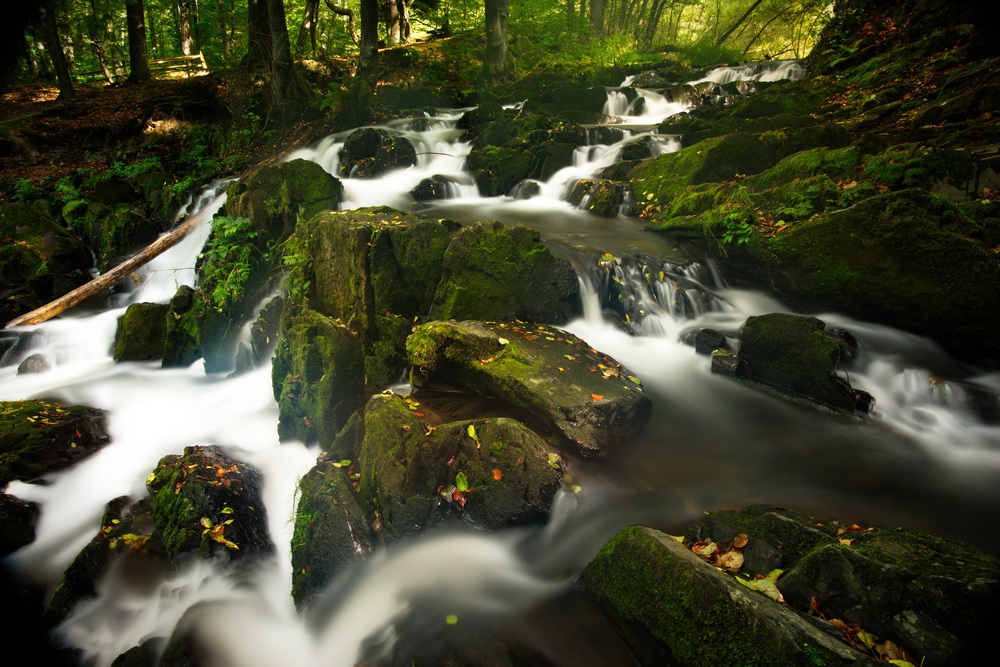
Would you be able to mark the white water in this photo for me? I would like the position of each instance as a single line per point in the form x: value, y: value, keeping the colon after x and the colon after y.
x: 711, y: 443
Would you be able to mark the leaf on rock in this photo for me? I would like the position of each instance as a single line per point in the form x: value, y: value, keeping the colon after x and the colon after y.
x: 740, y: 541
x: 554, y: 460
x: 731, y: 561
x: 705, y: 549
x: 472, y: 432
x: 497, y: 474
x: 461, y: 482
x: 596, y: 397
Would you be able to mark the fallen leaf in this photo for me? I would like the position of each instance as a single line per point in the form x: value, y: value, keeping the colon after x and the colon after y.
x: 554, y: 460
x: 461, y: 482
x: 731, y: 561
x: 740, y: 541
x: 502, y: 341
x: 596, y: 397
x: 497, y: 474
x: 704, y: 548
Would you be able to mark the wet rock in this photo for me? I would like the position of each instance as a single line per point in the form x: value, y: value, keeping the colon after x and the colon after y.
x: 552, y: 378
x: 667, y: 602
x: 726, y: 363
x: 278, y: 195
x: 182, y: 339
x: 430, y: 189
x: 791, y: 353
x: 36, y: 363
x: 18, y: 519
x: 318, y: 377
x: 492, y: 271
x: 38, y: 437
x: 206, y: 503
x: 704, y: 340
x: 368, y: 153
x: 489, y: 472
x: 331, y: 532
x: 15, y: 346
x: 526, y: 190
x: 141, y: 333
x: 602, y: 197
x: 498, y: 169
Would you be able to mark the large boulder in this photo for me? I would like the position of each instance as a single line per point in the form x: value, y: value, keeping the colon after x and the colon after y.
x: 489, y: 472
x: 492, y: 271
x: 37, y: 437
x: 674, y: 609
x: 208, y: 504
x: 141, y: 333
x: 551, y: 377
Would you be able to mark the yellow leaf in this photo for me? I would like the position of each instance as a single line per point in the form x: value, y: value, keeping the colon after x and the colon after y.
x: 502, y: 341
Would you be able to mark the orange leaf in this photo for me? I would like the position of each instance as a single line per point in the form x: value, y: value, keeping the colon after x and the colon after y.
x: 497, y: 474
x: 596, y: 397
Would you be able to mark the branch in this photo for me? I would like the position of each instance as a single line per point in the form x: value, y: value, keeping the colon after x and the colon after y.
x: 109, y: 278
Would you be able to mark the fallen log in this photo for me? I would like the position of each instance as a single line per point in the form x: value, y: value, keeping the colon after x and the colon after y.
x: 109, y: 278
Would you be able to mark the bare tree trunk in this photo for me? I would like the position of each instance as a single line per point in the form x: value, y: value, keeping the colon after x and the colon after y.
x: 597, y: 18
x: 54, y: 46
x: 368, y: 58
x: 495, y: 62
x: 307, y: 31
x: 138, y: 58
x: 184, y: 24
x: 392, y: 22
x: 259, y: 46
x: 223, y: 30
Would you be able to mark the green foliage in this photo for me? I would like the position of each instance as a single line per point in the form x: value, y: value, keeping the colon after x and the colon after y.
x: 229, y: 258
x: 706, y: 54
x: 298, y: 264
x: 738, y: 227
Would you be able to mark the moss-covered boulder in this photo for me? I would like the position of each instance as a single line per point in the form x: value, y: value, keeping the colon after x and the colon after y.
x: 370, y: 152
x: 332, y: 531
x: 603, y: 197
x: 930, y: 595
x: 182, y: 339
x: 793, y: 354
x: 498, y: 169
x: 907, y: 259
x: 37, y: 437
x: 489, y: 472
x: 141, y: 333
x: 318, y: 377
x: 674, y: 609
x: 552, y: 378
x: 277, y: 195
x: 206, y: 503
x: 492, y: 271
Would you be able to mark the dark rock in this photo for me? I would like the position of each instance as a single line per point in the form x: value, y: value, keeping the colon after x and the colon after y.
x: 182, y: 339
x: 552, y: 378
x: 430, y: 189
x: 16, y: 346
x: 496, y: 272
x: 331, y: 529
x: 497, y: 169
x: 526, y: 190
x: 704, y: 340
x: 18, y: 519
x: 206, y: 503
x: 141, y: 333
x: 38, y: 438
x: 791, y: 353
x: 674, y: 609
x: 726, y: 363
x: 369, y: 152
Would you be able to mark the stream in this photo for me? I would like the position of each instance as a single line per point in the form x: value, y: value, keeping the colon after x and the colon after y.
x: 924, y: 459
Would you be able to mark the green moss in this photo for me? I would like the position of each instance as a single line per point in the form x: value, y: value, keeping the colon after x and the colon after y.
x: 141, y: 333
x: 497, y: 170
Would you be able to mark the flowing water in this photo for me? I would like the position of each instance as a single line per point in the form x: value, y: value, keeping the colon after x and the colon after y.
x: 925, y: 459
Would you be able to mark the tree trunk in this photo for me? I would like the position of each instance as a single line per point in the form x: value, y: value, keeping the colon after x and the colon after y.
x: 368, y: 58
x: 283, y: 98
x: 259, y: 44
x: 495, y: 62
x: 138, y: 59
x: 350, y: 19
x: 597, y: 18
x: 392, y: 28
x: 308, y: 29
x: 54, y: 46
x: 724, y: 36
x: 223, y: 29
x: 184, y: 27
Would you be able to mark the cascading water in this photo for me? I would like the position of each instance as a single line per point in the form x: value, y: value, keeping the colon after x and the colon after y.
x: 711, y: 442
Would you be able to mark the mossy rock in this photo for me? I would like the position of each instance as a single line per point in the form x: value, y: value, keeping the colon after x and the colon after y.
x: 277, y: 195
x: 141, y: 333
x: 370, y: 152
x: 835, y: 163
x: 206, y: 503
x: 182, y: 338
x: 489, y: 472
x: 931, y: 595
x: 331, y: 531
x: 497, y: 170
x: 366, y: 262
x: 671, y: 608
x: 891, y: 259
x: 492, y: 271
x: 37, y: 437
x: 552, y: 378
x: 18, y: 519
x: 119, y: 234
x: 317, y: 375
x: 791, y: 353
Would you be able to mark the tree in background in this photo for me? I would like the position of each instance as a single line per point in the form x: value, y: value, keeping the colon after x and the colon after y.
x: 138, y: 57
x: 495, y: 64
x: 186, y: 20
x: 54, y: 45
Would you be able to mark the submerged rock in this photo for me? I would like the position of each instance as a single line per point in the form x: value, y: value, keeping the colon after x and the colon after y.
x: 369, y: 152
x: 551, y: 377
